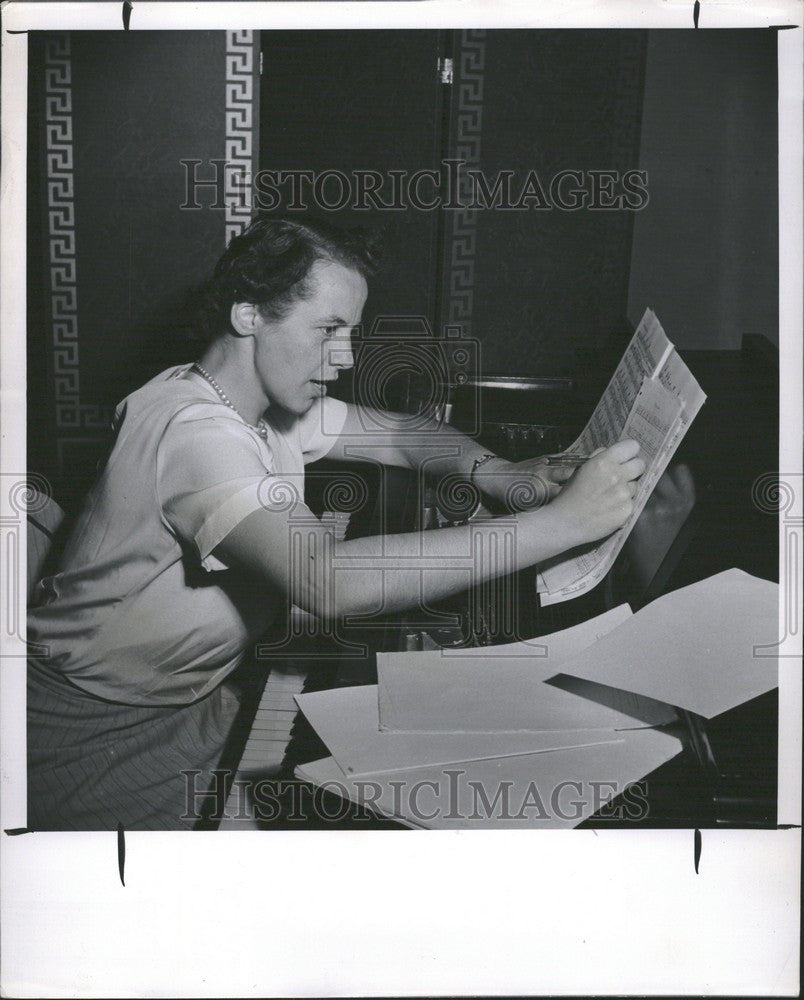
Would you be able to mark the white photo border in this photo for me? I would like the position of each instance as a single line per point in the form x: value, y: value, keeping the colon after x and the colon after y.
x: 615, y: 912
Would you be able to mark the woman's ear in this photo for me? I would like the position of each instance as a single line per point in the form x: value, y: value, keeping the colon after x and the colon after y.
x: 245, y: 319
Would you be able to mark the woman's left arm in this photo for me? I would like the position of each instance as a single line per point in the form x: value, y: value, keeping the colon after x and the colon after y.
x: 440, y: 451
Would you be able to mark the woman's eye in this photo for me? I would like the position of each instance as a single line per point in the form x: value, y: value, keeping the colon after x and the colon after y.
x: 329, y: 331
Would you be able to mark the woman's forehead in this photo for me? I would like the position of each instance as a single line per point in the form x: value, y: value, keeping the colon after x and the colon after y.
x: 335, y: 290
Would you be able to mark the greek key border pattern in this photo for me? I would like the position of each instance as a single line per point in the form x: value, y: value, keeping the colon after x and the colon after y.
x: 469, y: 126
x: 62, y: 240
x: 241, y: 58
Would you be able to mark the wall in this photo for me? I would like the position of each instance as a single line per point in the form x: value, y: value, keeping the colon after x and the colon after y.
x: 113, y: 257
x: 535, y: 285
x: 550, y: 284
x: 705, y: 252
x: 351, y: 101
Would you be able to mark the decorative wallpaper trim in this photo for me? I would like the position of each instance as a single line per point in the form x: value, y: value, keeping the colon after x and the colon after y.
x: 242, y: 60
x: 70, y: 414
x: 469, y: 126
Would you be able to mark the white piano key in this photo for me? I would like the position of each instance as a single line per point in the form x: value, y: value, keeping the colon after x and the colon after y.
x: 270, y: 733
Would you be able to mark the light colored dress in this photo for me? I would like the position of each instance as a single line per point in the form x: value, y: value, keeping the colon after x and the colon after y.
x: 142, y: 621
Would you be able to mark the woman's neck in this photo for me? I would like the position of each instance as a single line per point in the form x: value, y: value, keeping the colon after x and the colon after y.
x: 234, y: 373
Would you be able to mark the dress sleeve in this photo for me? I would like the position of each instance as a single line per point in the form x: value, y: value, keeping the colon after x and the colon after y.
x: 211, y: 473
x: 320, y: 427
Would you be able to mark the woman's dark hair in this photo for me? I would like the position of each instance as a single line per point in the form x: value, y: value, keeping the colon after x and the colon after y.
x: 269, y: 266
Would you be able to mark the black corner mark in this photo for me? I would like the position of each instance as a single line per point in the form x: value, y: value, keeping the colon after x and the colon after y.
x: 17, y: 831
x: 697, y: 849
x: 696, y: 10
x: 127, y: 9
x: 121, y: 853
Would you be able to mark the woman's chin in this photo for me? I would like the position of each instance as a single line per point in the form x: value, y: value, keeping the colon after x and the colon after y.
x: 300, y: 405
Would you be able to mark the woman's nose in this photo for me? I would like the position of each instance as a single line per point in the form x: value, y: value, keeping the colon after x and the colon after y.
x: 341, y: 355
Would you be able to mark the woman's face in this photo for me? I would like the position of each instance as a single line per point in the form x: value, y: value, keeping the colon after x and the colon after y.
x: 297, y: 355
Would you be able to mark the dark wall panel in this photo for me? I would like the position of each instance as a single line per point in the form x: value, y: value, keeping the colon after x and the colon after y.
x: 357, y: 101
x: 142, y: 104
x: 113, y: 257
x: 706, y: 247
x: 550, y: 283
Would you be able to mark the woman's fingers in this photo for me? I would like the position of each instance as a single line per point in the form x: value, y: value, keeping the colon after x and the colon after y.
x: 624, y: 450
x: 557, y: 473
x: 632, y: 469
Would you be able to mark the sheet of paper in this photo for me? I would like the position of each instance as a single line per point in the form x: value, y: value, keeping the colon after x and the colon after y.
x: 347, y: 720
x: 545, y: 651
x: 661, y: 413
x: 652, y: 422
x: 696, y: 648
x: 551, y: 791
x: 554, y: 647
x: 490, y: 692
x: 499, y: 695
x: 644, y: 356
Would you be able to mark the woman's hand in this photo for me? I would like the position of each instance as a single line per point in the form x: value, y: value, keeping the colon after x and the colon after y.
x: 599, y: 497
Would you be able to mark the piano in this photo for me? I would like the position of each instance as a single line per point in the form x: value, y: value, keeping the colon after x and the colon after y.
x: 706, y: 521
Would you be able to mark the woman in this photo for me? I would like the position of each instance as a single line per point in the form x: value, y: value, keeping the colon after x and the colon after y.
x: 196, y: 537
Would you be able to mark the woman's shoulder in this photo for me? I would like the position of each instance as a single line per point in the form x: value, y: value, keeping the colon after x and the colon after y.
x: 171, y: 397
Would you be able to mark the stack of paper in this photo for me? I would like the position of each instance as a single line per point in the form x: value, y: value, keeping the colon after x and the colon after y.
x: 347, y: 720
x: 479, y: 723
x: 502, y: 695
x: 547, y: 791
x: 500, y: 714
x: 544, y: 733
x: 652, y: 398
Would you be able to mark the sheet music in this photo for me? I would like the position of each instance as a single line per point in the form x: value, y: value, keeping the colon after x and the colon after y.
x: 652, y: 423
x: 662, y: 409
x: 644, y: 357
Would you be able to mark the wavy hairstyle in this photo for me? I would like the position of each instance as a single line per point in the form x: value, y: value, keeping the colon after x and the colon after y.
x: 269, y: 266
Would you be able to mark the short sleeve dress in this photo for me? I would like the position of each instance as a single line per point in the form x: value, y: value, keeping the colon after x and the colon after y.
x: 141, y: 625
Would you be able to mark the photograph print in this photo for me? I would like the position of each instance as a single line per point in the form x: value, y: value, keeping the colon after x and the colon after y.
x: 402, y: 429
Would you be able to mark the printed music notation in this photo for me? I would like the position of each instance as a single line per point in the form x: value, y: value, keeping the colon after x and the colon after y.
x: 652, y: 398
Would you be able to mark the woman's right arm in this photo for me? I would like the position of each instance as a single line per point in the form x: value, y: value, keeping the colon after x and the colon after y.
x: 295, y: 552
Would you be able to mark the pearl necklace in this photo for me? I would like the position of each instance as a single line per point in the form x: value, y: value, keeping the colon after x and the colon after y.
x: 261, y: 427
